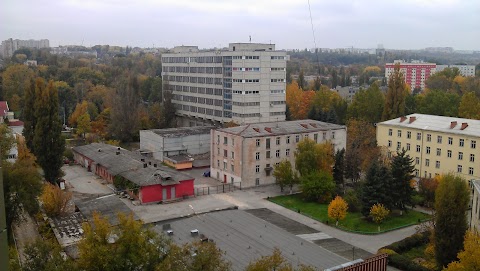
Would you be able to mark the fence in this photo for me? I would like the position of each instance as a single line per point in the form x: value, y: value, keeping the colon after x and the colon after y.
x: 374, y: 263
x: 218, y: 189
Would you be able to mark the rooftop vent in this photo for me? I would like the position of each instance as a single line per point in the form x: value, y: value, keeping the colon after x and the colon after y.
x: 155, y: 165
x: 453, y: 124
x: 144, y: 165
x: 99, y: 150
x: 403, y: 118
x: 412, y: 119
x: 464, y: 125
x: 268, y: 129
x: 118, y: 148
x: 194, y: 232
x: 117, y: 152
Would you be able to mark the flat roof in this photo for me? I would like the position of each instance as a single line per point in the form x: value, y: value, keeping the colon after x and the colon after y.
x: 182, y: 131
x: 437, y: 124
x: 281, y: 128
x: 108, y: 206
x: 245, y: 238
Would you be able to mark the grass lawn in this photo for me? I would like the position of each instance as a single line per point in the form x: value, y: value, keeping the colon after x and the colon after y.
x: 353, y: 221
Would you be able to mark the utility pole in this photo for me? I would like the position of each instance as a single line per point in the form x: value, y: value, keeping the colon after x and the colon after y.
x: 4, y: 259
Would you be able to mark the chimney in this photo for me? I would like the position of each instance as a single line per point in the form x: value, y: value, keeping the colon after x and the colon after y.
x: 144, y: 165
x: 464, y: 125
x: 268, y: 129
x: 118, y: 148
x: 403, y: 118
x: 412, y: 119
x: 117, y: 153
x: 453, y: 124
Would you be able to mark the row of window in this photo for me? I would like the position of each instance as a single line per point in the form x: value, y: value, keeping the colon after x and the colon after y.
x: 246, y: 92
x: 201, y: 110
x: 268, y: 154
x: 459, y: 167
x: 428, y: 151
x: 288, y: 139
x: 250, y: 115
x: 246, y: 57
x: 193, y: 79
x: 461, y: 141
x: 245, y: 69
x: 246, y: 103
x: 200, y: 90
x: 209, y: 70
x: 199, y: 59
x: 281, y: 80
x: 277, y: 69
x: 199, y: 100
x: 281, y: 113
x: 277, y: 102
x: 245, y: 80
x: 277, y: 91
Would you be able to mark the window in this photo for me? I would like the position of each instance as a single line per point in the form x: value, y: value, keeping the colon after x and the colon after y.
x: 287, y: 152
x: 278, y: 140
x: 218, y: 163
x: 324, y: 135
x: 409, y: 134
x: 297, y: 138
x: 462, y: 142
x: 257, y: 156
x: 315, y: 137
x: 224, y: 153
x: 232, y: 179
x: 429, y: 137
x: 390, y: 132
x: 472, y: 157
x: 439, y: 151
x: 288, y: 139
x: 218, y: 151
x: 408, y: 146
x: 459, y: 168
x: 427, y: 162
x: 418, y: 148
x: 439, y: 139
x: 257, y: 169
x: 225, y: 140
x: 233, y: 155
x: 437, y: 164
x: 267, y: 154
x: 268, y: 143
x: 417, y: 160
x: 416, y: 172
x: 450, y: 141
x: 257, y: 181
x: 399, y: 146
x: 449, y: 154
x: 225, y: 165
x: 470, y: 170
x: 428, y: 150
x: 399, y: 133
x: 268, y: 171
x: 233, y: 141
x: 460, y: 155
x: 473, y: 144
x: 257, y: 142
x: 277, y: 153
x: 233, y: 168
x: 419, y: 136
x: 389, y: 143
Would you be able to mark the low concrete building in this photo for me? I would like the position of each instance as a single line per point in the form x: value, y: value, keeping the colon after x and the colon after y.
x: 148, y: 181
x: 161, y: 143
x: 475, y: 211
x: 246, y: 154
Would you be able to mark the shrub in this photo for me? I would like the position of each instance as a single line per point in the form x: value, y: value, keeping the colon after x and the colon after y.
x: 410, y: 242
x: 354, y: 203
x: 403, y: 263
x: 386, y: 250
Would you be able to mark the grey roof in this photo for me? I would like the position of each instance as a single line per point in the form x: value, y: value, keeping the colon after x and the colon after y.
x: 244, y: 238
x: 281, y: 128
x: 437, y: 124
x: 180, y: 158
x: 108, y: 206
x: 129, y: 165
x: 182, y: 131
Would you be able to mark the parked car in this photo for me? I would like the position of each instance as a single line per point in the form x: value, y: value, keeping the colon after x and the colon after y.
x: 206, y: 173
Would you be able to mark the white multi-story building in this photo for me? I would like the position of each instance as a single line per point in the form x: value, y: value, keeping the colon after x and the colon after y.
x: 246, y: 154
x: 10, y: 46
x: 244, y: 83
x: 465, y: 70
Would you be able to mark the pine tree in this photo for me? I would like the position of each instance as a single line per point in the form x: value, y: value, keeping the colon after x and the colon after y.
x: 301, y: 80
x: 376, y: 187
x: 47, y: 141
x: 395, y: 98
x: 402, y: 173
x: 339, y: 170
x: 29, y: 112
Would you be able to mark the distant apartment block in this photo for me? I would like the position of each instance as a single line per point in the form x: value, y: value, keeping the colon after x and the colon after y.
x: 9, y: 46
x: 247, y: 154
x: 415, y: 73
x: 437, y: 144
x: 244, y: 83
x: 465, y: 70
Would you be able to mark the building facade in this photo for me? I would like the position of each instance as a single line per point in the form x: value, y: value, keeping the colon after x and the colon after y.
x: 465, y: 70
x: 475, y: 204
x: 244, y: 83
x: 247, y: 154
x: 10, y: 46
x: 437, y: 144
x: 415, y: 73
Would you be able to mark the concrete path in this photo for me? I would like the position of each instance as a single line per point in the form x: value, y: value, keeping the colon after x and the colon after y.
x: 25, y: 232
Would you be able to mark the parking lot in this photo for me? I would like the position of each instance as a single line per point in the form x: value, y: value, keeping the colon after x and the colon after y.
x: 201, y: 181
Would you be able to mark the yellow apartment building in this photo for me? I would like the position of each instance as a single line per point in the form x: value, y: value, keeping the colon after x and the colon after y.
x: 437, y: 144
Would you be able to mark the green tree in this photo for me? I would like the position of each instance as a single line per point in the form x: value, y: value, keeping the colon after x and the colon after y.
x: 402, y: 169
x: 284, y: 175
x: 37, y: 253
x: 317, y: 186
x: 301, y: 80
x: 376, y: 187
x: 47, y: 141
x: 7, y: 140
x: 168, y: 110
x: 451, y: 205
x: 124, y: 117
x: 435, y: 102
x: 339, y: 170
x: 311, y: 156
x: 29, y: 111
x: 395, y: 98
x: 83, y: 125
x: 469, y: 106
x: 367, y: 105
x: 15, y: 81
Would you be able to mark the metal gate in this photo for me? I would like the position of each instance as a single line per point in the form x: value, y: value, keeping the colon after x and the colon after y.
x: 218, y: 189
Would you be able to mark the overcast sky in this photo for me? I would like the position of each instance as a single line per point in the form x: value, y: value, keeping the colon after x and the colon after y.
x: 402, y: 24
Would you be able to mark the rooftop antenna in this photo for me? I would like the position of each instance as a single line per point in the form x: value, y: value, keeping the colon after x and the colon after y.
x: 250, y: 38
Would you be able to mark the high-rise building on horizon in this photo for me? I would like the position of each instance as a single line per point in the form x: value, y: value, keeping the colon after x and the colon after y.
x: 415, y: 72
x: 245, y: 83
x: 9, y: 46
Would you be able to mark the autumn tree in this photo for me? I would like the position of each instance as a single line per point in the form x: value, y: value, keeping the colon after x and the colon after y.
x: 48, y: 143
x: 7, y: 140
x: 83, y: 125
x: 469, y: 106
x: 378, y: 213
x: 367, y: 105
x: 469, y: 257
x: 337, y: 209
x: 275, y: 262
x: 311, y: 156
x: 451, y: 204
x: 298, y: 101
x: 284, y: 175
x: 54, y: 200
x: 401, y: 191
x: 124, y: 117
x: 361, y: 148
x: 395, y: 98
x: 46, y: 255
x: 317, y: 186
x: 16, y: 79
x: 427, y: 188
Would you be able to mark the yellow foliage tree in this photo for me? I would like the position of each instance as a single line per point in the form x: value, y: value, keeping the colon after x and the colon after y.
x: 54, y: 200
x: 378, y: 212
x: 469, y: 106
x: 80, y: 109
x: 325, y: 156
x: 469, y: 257
x: 337, y: 209
x: 298, y: 101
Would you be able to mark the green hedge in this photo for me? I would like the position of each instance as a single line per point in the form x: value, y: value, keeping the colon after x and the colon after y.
x: 402, y: 262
